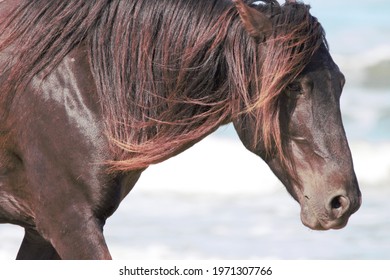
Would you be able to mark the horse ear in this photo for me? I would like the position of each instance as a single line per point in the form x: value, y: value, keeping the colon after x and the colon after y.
x: 256, y: 23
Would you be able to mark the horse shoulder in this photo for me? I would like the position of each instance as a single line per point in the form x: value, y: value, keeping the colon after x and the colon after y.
x: 61, y: 141
x: 60, y: 129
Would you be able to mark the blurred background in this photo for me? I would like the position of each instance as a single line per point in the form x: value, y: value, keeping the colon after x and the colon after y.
x: 218, y: 201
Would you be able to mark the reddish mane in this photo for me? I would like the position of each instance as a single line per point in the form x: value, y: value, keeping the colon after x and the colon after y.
x: 168, y: 72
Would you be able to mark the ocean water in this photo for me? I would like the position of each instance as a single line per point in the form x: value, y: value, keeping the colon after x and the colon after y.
x: 218, y: 201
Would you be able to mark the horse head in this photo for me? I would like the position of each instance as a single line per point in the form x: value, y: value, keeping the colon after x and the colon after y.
x: 304, y: 143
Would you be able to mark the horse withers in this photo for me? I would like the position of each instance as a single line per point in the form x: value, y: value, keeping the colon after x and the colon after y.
x: 93, y: 92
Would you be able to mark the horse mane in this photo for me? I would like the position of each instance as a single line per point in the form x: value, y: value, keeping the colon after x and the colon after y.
x: 167, y: 72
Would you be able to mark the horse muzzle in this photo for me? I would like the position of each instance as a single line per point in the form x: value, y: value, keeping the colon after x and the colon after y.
x: 331, y: 213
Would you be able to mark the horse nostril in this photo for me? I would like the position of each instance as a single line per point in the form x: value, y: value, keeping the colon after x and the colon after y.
x: 339, y: 205
x: 335, y: 203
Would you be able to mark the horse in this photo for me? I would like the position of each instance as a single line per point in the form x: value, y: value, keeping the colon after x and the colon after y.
x: 94, y: 92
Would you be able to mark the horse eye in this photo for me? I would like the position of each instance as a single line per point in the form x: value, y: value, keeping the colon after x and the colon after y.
x: 294, y: 89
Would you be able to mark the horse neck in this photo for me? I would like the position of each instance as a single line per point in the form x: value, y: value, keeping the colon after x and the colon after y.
x: 187, y: 80
x: 182, y: 67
